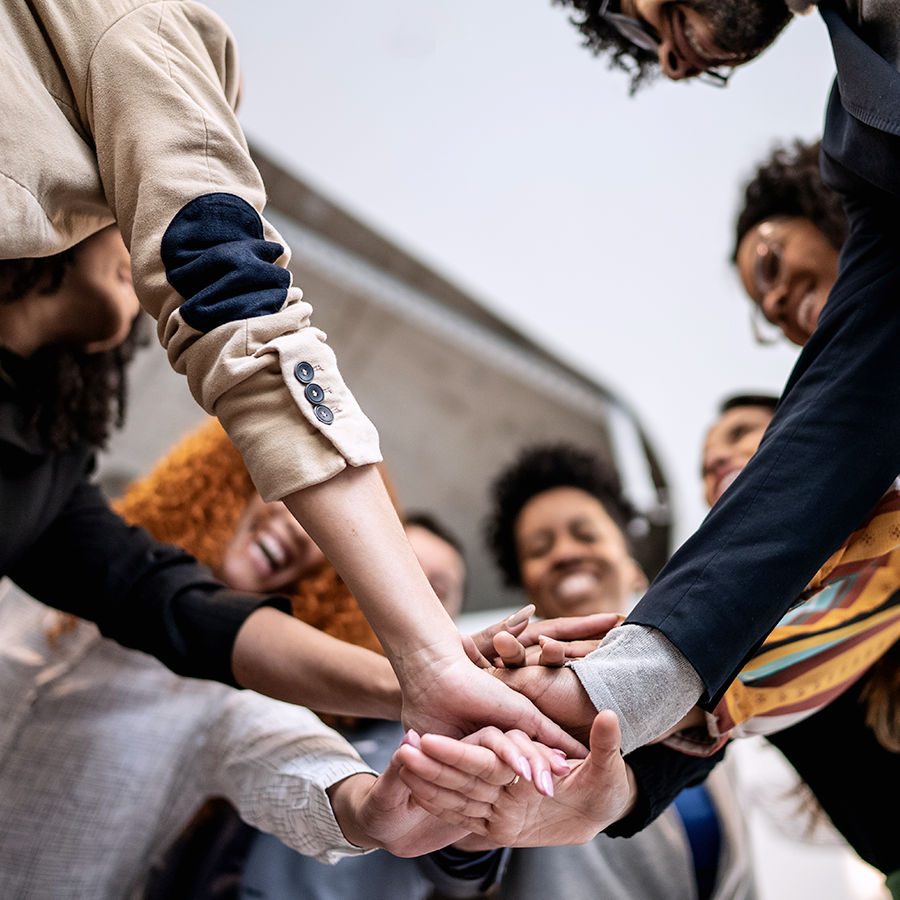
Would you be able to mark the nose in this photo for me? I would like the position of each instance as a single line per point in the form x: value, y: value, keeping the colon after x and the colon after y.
x: 567, y: 550
x: 713, y: 461
x: 672, y: 64
x: 774, y: 303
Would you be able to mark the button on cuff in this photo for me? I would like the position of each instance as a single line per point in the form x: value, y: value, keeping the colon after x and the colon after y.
x: 324, y: 414
x: 304, y: 372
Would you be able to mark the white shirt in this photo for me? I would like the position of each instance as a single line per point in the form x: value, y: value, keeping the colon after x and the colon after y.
x: 105, y: 755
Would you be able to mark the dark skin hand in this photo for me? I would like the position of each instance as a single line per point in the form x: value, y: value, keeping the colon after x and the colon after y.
x: 557, y: 692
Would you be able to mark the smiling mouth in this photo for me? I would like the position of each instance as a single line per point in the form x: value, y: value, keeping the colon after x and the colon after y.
x: 271, y: 550
x: 807, y: 313
x: 576, y: 583
x: 726, y: 481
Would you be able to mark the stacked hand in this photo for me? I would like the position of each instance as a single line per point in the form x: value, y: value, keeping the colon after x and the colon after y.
x: 447, y: 695
x: 444, y: 774
x: 382, y: 811
x: 516, y: 642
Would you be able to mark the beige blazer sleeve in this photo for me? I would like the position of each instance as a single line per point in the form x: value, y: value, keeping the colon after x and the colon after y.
x: 155, y: 84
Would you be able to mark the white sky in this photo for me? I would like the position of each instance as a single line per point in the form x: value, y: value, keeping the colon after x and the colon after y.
x: 481, y: 137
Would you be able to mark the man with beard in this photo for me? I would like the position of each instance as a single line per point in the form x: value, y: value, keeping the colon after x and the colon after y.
x: 832, y: 447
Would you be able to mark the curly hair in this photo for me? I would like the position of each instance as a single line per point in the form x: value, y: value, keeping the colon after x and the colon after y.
x: 541, y: 468
x: 600, y: 37
x: 789, y: 183
x: 743, y: 28
x: 194, y: 498
x: 68, y: 396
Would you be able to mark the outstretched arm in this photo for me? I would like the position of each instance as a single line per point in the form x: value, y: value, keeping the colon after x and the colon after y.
x: 442, y: 690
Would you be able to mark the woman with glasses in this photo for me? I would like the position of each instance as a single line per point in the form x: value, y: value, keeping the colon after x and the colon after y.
x: 788, y: 238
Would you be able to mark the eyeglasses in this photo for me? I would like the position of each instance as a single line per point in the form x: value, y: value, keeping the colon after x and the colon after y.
x: 642, y: 36
x: 764, y: 275
x: 764, y: 332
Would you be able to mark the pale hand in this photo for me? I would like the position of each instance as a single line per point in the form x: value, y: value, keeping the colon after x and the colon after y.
x: 381, y: 812
x: 596, y: 792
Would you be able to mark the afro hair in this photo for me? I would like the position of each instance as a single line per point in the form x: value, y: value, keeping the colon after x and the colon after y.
x: 541, y: 468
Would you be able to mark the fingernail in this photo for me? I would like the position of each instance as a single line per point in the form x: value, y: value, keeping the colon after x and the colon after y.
x: 411, y: 738
x: 542, y: 639
x: 523, y: 768
x: 546, y: 783
x: 559, y: 752
x: 521, y: 616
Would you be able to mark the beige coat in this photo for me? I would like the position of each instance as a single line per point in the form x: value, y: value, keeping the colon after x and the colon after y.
x: 122, y: 111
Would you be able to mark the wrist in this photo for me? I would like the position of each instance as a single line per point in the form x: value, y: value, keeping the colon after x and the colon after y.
x: 631, y: 797
x: 386, y: 697
x: 347, y: 799
x: 435, y: 655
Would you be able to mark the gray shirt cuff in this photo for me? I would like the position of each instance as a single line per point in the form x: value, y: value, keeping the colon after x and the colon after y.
x: 643, y: 678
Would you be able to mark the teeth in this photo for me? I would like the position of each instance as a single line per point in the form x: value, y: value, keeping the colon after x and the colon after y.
x: 271, y: 548
x: 807, y: 318
x: 577, y: 583
x: 727, y: 482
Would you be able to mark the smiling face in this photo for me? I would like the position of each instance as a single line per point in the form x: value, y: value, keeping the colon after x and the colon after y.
x: 269, y: 550
x: 698, y: 35
x: 573, y: 558
x: 729, y: 445
x: 787, y: 267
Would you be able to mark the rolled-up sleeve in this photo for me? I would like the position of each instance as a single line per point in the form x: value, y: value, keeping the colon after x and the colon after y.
x: 158, y: 95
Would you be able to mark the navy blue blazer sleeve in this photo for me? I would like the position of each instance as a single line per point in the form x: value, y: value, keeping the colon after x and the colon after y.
x: 833, y: 446
x: 661, y: 775
x: 145, y: 595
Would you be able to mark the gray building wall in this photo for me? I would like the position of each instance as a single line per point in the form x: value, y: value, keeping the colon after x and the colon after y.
x: 454, y: 390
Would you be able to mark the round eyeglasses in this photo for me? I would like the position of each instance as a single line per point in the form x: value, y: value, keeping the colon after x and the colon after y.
x: 642, y: 36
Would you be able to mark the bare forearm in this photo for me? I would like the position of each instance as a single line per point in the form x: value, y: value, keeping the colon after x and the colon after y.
x: 285, y: 658
x: 352, y: 519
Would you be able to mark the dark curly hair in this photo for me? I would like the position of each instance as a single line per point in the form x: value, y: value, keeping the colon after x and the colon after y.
x: 542, y: 468
x: 67, y: 395
x: 789, y: 183
x: 600, y: 37
x: 750, y: 27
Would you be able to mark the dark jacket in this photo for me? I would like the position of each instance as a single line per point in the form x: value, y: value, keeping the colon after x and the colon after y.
x: 831, y: 451
x: 60, y: 542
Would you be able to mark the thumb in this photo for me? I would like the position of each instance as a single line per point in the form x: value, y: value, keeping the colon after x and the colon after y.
x: 605, y: 740
x: 389, y: 791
